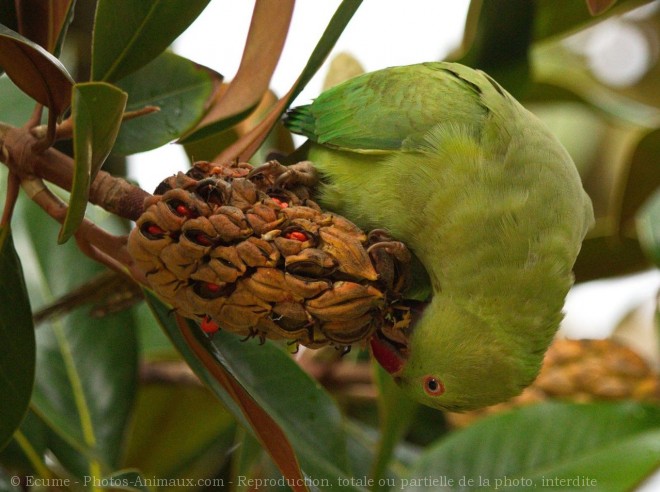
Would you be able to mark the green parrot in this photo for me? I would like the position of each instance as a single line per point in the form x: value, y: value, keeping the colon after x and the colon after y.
x: 486, y: 198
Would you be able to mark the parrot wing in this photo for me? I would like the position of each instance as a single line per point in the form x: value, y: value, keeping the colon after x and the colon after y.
x: 393, y: 109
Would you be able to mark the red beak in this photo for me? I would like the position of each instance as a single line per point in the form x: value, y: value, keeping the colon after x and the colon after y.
x: 387, y: 355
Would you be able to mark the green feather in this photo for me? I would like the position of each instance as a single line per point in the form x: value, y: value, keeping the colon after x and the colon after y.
x: 484, y: 196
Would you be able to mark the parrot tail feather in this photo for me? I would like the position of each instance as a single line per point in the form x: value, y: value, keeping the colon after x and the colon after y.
x: 300, y: 120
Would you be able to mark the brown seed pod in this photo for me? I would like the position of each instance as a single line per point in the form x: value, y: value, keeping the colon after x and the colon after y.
x: 583, y: 371
x: 227, y: 248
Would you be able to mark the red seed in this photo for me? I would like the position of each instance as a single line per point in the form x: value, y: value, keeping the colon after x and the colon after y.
x: 280, y: 202
x: 203, y: 239
x: 154, y: 230
x: 212, y: 287
x: 297, y: 236
x: 209, y: 326
x: 181, y: 209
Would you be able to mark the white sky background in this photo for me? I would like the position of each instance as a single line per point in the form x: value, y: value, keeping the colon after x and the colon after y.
x: 382, y: 33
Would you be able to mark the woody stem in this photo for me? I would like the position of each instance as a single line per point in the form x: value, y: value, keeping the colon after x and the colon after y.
x: 21, y: 153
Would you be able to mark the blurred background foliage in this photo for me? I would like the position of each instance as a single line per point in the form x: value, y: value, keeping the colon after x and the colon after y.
x: 123, y: 395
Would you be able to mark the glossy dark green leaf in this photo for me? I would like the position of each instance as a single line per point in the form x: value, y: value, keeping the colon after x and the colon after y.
x: 268, y: 30
x: 165, y: 317
x: 499, y: 42
x: 648, y: 228
x: 129, y: 34
x: 97, y: 111
x: 17, y: 344
x: 35, y: 71
x: 308, y: 416
x: 177, y: 86
x: 86, y: 368
x: 614, y: 445
x: 85, y: 384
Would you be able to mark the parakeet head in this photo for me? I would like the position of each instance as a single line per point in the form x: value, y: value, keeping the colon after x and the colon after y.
x: 459, y: 358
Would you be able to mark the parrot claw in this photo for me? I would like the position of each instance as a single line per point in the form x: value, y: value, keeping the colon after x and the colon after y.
x: 391, y: 260
x: 299, y: 174
x: 395, y: 248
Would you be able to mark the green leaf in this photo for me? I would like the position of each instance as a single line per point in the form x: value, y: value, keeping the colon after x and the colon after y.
x: 165, y: 318
x: 25, y: 452
x: 87, y: 368
x: 648, y: 228
x: 17, y: 344
x: 181, y: 411
x: 85, y: 386
x: 395, y: 413
x: 499, y: 44
x: 97, y: 112
x: 613, y: 445
x: 336, y: 26
x: 643, y: 176
x: 35, y: 71
x: 181, y: 97
x: 154, y: 343
x: 603, y: 256
x: 554, y: 64
x: 308, y: 416
x: 558, y: 17
x: 245, y: 147
x: 129, y: 34
x: 245, y: 458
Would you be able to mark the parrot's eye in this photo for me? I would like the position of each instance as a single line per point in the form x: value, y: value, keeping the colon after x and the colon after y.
x: 433, y: 386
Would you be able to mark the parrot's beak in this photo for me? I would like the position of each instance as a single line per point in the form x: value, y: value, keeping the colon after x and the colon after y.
x: 389, y: 346
x: 388, y: 354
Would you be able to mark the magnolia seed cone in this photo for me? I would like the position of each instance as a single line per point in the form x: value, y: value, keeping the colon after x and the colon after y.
x: 233, y: 251
x: 583, y: 371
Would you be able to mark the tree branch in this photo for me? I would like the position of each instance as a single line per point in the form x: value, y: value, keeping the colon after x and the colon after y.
x: 21, y: 153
